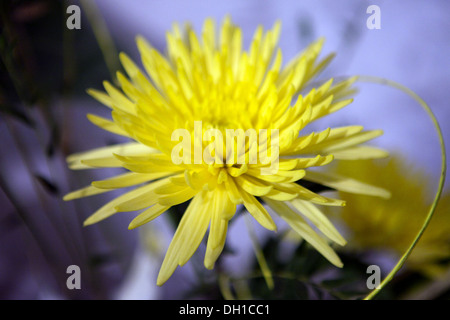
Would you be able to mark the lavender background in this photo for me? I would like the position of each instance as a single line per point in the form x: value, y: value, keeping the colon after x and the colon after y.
x: 412, y: 47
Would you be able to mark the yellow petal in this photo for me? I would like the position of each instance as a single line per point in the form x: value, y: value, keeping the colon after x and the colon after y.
x: 187, y: 238
x: 314, y: 162
x: 333, y: 144
x: 109, y: 208
x: 108, y: 162
x: 128, y: 179
x: 346, y: 184
x: 306, y: 194
x: 253, y: 186
x: 233, y: 191
x: 217, y: 231
x: 312, y: 213
x: 145, y: 199
x: 118, y: 99
x: 278, y: 195
x: 101, y: 97
x: 256, y: 209
x: 147, y: 216
x: 298, y: 224
x: 107, y: 125
x: 177, y: 197
x: 84, y: 192
x: 149, y: 163
x: 360, y: 153
x: 130, y: 148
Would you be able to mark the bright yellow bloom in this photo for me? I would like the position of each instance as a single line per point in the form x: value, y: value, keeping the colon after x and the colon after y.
x: 214, y: 81
x: 391, y: 224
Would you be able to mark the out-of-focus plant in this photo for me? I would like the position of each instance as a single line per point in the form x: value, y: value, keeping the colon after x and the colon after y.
x: 391, y: 224
x: 40, y: 75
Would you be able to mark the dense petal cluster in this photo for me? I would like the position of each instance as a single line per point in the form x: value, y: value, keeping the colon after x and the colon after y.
x: 212, y: 80
x: 399, y: 218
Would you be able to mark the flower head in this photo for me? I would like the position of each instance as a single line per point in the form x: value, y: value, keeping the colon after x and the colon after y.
x: 204, y: 87
x: 381, y: 224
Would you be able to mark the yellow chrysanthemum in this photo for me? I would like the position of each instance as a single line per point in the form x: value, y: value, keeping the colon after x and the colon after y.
x: 391, y: 224
x: 223, y: 87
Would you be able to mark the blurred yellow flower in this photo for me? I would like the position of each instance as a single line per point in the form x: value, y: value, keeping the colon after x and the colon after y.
x: 215, y: 83
x: 392, y: 224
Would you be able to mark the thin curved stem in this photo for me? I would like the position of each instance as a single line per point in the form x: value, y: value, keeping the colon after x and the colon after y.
x: 393, y: 84
x: 259, y: 254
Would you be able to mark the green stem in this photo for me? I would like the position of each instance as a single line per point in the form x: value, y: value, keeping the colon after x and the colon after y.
x: 102, y: 36
x: 259, y: 254
x: 427, y: 220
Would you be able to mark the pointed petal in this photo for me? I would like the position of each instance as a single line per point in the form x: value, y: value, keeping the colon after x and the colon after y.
x: 107, y: 125
x: 313, y: 214
x: 129, y: 148
x: 109, y: 208
x: 346, y: 184
x: 299, y: 225
x: 360, y: 153
x: 218, y: 228
x: 84, y: 192
x: 256, y: 209
x: 189, y: 233
x: 147, y: 216
x: 128, y: 179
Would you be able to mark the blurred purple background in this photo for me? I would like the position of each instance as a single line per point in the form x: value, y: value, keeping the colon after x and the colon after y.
x: 41, y: 235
